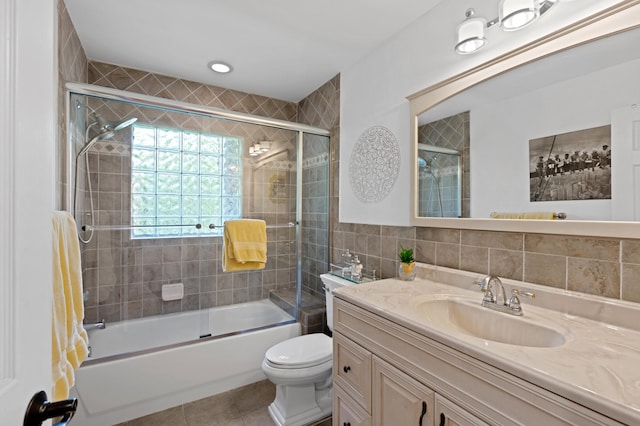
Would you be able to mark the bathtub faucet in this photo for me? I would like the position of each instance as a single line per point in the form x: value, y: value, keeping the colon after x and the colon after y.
x: 95, y: 326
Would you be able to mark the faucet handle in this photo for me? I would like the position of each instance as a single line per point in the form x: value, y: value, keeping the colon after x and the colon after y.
x: 480, y: 282
x: 514, y: 301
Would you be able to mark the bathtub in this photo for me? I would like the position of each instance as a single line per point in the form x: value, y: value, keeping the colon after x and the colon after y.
x: 146, y: 365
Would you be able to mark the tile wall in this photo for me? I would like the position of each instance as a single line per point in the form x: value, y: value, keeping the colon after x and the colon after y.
x: 72, y: 66
x: 320, y: 109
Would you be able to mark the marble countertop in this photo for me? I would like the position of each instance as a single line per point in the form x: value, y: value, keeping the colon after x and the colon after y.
x: 598, y: 366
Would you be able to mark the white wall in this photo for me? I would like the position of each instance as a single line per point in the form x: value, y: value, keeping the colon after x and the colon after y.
x: 501, y: 132
x: 373, y: 91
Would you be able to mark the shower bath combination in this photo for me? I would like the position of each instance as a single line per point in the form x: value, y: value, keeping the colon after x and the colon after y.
x: 105, y: 131
x: 191, y: 147
x: 440, y: 178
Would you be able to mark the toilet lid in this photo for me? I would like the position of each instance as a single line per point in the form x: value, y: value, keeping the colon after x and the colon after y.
x: 301, y: 351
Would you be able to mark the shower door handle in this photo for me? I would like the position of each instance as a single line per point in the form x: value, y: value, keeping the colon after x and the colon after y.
x: 39, y: 410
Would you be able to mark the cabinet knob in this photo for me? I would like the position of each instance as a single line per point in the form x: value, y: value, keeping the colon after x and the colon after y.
x: 443, y: 419
x: 346, y: 424
x: 346, y: 368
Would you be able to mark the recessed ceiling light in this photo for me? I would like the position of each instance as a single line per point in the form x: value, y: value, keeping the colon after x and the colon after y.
x: 220, y: 67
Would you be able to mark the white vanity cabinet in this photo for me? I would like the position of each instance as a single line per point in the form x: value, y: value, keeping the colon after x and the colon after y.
x: 387, y: 374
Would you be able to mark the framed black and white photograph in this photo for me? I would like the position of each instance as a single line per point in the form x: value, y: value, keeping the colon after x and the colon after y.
x: 571, y: 166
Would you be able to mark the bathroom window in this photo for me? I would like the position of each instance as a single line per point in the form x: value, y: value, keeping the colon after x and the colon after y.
x: 183, y: 178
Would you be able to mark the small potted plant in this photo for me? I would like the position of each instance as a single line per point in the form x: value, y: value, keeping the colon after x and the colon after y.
x: 407, y: 269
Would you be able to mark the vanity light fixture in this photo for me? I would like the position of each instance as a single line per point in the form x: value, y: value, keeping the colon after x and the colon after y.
x: 471, y: 33
x: 517, y: 14
x: 512, y: 15
x: 220, y: 67
x: 265, y: 146
x: 259, y: 148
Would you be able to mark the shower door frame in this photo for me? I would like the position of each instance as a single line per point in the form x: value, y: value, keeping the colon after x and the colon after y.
x: 154, y: 101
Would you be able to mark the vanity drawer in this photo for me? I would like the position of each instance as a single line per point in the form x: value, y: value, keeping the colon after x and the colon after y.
x: 346, y: 412
x: 352, y: 370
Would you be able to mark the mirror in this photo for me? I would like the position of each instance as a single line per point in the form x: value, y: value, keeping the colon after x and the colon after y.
x: 538, y: 133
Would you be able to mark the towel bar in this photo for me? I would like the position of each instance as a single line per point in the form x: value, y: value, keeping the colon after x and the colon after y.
x: 197, y: 226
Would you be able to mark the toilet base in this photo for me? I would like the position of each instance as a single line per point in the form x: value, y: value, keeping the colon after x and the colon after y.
x: 300, y: 405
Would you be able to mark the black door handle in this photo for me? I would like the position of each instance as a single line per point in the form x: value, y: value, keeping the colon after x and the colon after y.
x: 443, y: 419
x: 424, y: 411
x: 39, y: 410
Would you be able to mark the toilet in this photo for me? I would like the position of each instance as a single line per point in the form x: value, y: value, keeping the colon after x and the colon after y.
x: 301, y: 370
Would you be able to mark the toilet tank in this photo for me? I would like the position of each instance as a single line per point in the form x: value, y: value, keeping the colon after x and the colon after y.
x: 332, y: 282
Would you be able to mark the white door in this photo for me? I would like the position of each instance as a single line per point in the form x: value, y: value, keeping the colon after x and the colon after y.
x: 625, y: 163
x: 28, y: 78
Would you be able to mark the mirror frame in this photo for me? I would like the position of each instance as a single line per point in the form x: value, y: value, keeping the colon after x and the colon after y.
x: 621, y: 17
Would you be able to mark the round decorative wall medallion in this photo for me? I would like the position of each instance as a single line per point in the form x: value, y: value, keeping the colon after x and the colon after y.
x: 374, y: 164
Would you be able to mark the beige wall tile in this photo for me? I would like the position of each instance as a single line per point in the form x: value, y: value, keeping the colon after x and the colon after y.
x: 448, y: 255
x: 545, y: 269
x: 630, y: 251
x: 506, y: 263
x: 404, y: 232
x: 583, y: 247
x: 388, y: 268
x: 374, y: 247
x: 368, y: 229
x: 594, y: 277
x: 425, y: 252
x: 630, y: 282
x: 389, y: 246
x: 439, y: 235
x: 474, y: 259
x: 499, y: 240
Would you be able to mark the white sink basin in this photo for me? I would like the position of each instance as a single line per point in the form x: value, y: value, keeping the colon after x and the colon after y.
x: 457, y: 315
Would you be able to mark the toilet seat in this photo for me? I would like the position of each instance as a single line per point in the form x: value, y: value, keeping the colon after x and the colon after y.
x: 301, y: 352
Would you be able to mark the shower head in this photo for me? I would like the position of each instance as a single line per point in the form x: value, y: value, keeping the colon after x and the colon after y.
x: 106, y: 128
x: 117, y: 125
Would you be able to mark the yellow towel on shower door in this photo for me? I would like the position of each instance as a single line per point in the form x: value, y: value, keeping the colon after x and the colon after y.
x: 69, y: 338
x: 245, y: 245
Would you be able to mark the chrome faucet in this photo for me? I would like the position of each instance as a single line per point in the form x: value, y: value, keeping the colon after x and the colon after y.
x: 495, y: 296
x: 493, y: 290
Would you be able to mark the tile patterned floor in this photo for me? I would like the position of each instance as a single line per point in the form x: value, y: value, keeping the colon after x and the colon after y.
x: 245, y: 406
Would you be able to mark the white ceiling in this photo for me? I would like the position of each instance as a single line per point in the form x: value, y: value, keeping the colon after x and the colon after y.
x: 283, y: 49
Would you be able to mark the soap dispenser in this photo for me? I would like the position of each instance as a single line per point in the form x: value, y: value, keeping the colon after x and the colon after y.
x: 356, y: 268
x: 347, y: 262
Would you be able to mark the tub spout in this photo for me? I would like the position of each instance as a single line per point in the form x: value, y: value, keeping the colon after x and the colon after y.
x: 95, y: 326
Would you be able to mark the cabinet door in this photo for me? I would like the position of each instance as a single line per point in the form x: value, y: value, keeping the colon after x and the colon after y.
x: 347, y: 412
x: 449, y: 414
x: 399, y: 399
